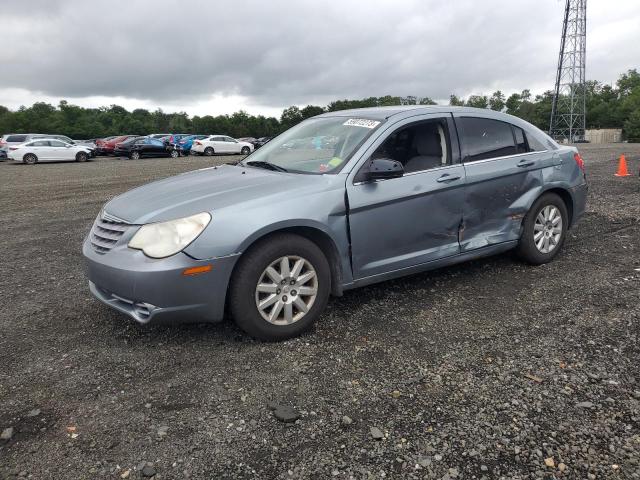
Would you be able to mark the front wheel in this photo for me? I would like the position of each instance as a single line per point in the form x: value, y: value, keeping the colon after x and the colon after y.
x: 175, y: 153
x: 280, y: 287
x: 134, y: 155
x: 545, y: 228
x: 81, y: 157
x: 245, y: 151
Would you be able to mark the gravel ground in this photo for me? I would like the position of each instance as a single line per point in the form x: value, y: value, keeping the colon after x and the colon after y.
x: 490, y: 369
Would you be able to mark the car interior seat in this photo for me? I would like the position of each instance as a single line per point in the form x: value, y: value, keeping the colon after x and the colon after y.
x: 428, y: 150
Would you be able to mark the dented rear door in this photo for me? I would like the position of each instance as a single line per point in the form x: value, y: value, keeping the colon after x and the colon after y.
x: 501, y: 177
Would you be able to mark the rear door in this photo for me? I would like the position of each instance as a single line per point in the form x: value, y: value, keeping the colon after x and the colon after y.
x: 41, y: 149
x: 502, y: 173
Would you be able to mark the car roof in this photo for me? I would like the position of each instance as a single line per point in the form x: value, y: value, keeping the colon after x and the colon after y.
x: 43, y: 138
x: 406, y: 111
x: 383, y: 113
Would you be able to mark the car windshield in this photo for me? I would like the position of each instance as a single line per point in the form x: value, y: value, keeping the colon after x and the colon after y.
x: 316, y: 146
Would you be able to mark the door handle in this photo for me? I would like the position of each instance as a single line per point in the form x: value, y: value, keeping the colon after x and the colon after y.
x: 525, y: 163
x: 446, y: 178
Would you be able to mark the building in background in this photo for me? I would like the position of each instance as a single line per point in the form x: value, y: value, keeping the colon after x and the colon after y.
x: 603, y: 135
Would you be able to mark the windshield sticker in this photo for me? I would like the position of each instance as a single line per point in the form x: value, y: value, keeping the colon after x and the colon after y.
x: 362, y: 122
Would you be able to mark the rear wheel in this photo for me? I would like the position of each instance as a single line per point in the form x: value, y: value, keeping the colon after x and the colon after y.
x: 209, y: 151
x: 545, y: 228
x: 30, y: 159
x: 280, y: 287
x: 134, y: 155
x: 81, y: 157
x: 245, y: 151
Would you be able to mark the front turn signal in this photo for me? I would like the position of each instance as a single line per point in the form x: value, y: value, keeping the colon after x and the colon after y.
x: 189, y: 272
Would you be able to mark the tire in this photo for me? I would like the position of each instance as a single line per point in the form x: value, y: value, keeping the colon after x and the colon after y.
x: 540, y: 242
x: 175, y: 153
x: 209, y: 151
x: 185, y: 153
x: 245, y: 151
x: 287, y: 321
x: 30, y: 159
x: 81, y: 157
x: 134, y: 155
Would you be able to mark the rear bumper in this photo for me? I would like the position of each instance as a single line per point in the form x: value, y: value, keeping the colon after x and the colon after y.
x: 155, y: 291
x: 579, y: 194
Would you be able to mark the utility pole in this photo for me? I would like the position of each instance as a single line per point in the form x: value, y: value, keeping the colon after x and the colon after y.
x: 568, y: 120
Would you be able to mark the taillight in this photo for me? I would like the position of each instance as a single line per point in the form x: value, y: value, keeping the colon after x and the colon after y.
x: 198, y: 143
x: 13, y: 148
x: 579, y: 160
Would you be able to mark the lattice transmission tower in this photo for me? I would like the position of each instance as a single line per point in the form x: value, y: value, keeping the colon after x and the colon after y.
x: 568, y: 119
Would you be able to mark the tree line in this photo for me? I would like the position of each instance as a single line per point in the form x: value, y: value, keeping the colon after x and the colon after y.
x: 607, y: 107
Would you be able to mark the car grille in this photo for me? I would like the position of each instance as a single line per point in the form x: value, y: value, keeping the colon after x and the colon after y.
x: 106, y: 232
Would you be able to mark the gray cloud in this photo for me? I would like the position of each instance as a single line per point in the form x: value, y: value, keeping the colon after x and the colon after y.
x: 280, y: 52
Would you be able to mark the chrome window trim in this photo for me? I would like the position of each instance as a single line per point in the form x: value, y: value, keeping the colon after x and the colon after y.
x: 485, y: 160
x: 435, y: 169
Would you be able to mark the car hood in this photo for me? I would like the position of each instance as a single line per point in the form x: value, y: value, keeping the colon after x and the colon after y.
x: 210, y: 189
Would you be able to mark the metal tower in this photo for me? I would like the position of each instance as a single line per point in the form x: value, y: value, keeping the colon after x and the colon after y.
x: 568, y: 108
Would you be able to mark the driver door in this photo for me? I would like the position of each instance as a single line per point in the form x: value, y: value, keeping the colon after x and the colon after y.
x: 231, y: 145
x: 403, y: 222
x: 59, y: 150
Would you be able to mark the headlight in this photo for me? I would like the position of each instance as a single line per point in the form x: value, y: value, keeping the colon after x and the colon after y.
x: 160, y: 240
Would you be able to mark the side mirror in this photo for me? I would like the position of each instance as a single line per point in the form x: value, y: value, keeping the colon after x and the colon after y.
x: 384, y: 168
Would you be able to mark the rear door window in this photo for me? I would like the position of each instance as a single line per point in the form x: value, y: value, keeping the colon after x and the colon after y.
x: 485, y: 138
x: 40, y: 143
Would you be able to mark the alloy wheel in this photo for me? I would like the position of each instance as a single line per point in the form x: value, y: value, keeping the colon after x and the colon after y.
x: 547, y: 230
x: 286, y: 290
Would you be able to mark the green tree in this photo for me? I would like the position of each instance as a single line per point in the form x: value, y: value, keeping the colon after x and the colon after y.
x: 478, y: 101
x: 427, y: 101
x: 290, y: 117
x: 455, y: 101
x: 497, y: 101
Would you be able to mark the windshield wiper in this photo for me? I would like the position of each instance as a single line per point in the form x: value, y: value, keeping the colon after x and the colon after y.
x: 267, y: 165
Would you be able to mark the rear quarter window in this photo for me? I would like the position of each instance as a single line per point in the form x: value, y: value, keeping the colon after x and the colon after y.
x: 16, y: 138
x: 484, y: 138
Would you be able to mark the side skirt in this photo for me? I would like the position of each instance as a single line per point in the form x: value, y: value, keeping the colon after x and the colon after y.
x: 441, y: 262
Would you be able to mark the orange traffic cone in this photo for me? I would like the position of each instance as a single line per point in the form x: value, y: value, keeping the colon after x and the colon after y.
x: 622, y: 167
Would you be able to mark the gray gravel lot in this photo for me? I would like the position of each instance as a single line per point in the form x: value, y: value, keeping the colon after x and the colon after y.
x: 487, y: 369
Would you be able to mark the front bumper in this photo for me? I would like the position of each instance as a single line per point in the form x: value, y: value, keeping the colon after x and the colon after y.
x: 155, y: 290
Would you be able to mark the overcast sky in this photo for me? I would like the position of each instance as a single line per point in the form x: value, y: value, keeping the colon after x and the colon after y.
x: 212, y: 57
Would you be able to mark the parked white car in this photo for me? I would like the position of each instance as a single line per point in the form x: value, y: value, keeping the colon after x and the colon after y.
x: 48, y: 150
x: 220, y: 144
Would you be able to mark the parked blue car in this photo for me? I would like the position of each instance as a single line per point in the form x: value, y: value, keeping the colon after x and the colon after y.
x: 399, y: 190
x: 184, y: 145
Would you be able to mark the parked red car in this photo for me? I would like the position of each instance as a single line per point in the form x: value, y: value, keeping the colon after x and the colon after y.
x: 106, y: 146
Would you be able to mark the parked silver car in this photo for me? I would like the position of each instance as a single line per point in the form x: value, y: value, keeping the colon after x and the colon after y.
x: 12, y: 139
x: 362, y: 196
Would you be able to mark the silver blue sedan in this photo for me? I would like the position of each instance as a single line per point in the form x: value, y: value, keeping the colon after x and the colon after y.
x: 341, y: 200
